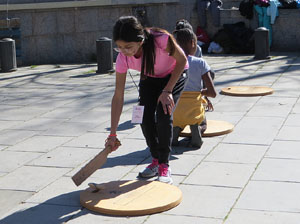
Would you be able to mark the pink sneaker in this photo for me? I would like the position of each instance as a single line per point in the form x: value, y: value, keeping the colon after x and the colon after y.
x: 164, y: 174
x: 151, y: 170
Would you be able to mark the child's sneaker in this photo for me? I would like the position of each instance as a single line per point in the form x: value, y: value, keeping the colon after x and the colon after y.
x: 164, y: 174
x: 151, y: 170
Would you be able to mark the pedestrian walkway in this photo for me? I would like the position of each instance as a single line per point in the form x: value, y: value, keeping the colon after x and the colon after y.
x: 55, y: 118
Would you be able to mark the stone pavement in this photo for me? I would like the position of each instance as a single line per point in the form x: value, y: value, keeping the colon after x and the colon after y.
x: 54, y: 118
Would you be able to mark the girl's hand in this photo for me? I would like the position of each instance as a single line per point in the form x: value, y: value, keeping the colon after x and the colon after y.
x: 167, y: 102
x: 113, y: 142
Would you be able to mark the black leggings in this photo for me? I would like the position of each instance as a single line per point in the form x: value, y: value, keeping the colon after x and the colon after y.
x: 157, y: 126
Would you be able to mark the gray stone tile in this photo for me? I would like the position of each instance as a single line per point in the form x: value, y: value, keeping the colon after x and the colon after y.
x: 286, y: 170
x: 35, y: 213
x: 11, y: 137
x: 65, y: 157
x: 293, y: 120
x: 30, y: 178
x: 38, y: 124
x: 296, y: 108
x: 87, y: 216
x: 12, y: 160
x: 284, y: 149
x: 70, y: 129
x: 90, y: 140
x: 235, y: 104
x: 184, y: 164
x: 237, y: 153
x: 270, y: 196
x: 177, y: 219
x: 211, y: 202
x: 277, y: 106
x: 39, y: 143
x: 61, y: 192
x: 238, y: 216
x: 3, y: 147
x: 8, y: 124
x: 255, y: 130
x: 289, y: 133
x: 11, y: 199
x: 224, y: 174
x: 64, y: 112
x: 231, y: 117
x: 18, y: 113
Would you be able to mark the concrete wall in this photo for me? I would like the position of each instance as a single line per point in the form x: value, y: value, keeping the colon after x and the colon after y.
x: 66, y: 31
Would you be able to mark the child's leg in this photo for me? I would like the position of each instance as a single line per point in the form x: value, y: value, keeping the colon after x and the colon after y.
x: 196, y: 136
x: 176, y: 132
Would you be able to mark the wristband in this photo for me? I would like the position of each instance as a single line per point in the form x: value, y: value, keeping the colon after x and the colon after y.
x: 166, y: 91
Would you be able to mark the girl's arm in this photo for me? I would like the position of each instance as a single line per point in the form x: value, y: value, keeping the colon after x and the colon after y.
x: 166, y: 97
x: 116, y: 109
x: 209, y: 90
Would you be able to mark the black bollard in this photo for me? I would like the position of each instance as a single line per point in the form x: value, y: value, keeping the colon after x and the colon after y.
x: 104, y: 55
x: 8, y: 55
x: 262, y: 48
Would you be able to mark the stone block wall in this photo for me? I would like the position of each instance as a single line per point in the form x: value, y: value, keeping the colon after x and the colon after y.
x: 65, y: 31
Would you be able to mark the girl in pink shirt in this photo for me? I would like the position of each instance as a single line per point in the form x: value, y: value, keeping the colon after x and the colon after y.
x: 161, y: 61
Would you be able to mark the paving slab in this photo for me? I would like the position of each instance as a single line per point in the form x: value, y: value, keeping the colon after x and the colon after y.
x: 30, y: 178
x: 270, y: 196
x: 284, y: 150
x: 221, y: 174
x: 255, y: 130
x: 29, y: 213
x: 237, y: 153
x: 289, y: 133
x: 206, y: 201
x: 11, y: 137
x: 12, y: 160
x: 39, y: 143
x: 293, y: 120
x: 177, y: 219
x: 238, y: 216
x: 87, y: 216
x: 64, y: 157
x: 285, y: 170
x: 10, y: 199
x: 70, y: 129
x: 277, y: 106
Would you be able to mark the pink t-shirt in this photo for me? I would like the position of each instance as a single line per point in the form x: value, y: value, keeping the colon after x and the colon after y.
x: 164, y: 64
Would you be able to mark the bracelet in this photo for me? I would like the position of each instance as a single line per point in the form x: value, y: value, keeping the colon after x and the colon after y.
x: 166, y: 91
x: 112, y: 135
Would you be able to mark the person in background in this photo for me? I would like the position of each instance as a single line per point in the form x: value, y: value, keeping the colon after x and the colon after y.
x: 190, y: 109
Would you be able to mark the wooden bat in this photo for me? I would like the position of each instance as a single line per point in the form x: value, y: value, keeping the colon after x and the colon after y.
x: 92, y: 165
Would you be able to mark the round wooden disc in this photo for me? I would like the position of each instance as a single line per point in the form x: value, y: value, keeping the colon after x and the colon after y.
x: 131, y: 198
x: 214, y: 128
x: 247, y: 91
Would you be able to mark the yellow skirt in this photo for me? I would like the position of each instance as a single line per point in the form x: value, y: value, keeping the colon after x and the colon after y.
x: 189, y: 110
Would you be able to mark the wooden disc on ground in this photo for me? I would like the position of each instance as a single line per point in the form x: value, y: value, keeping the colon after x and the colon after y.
x: 131, y: 198
x: 247, y: 91
x: 214, y: 128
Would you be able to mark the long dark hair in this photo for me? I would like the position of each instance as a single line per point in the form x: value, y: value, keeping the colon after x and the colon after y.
x: 184, y: 37
x: 129, y: 29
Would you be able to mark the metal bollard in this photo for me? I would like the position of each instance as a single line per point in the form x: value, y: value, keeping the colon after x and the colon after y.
x: 8, y: 55
x: 104, y: 55
x: 262, y: 48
